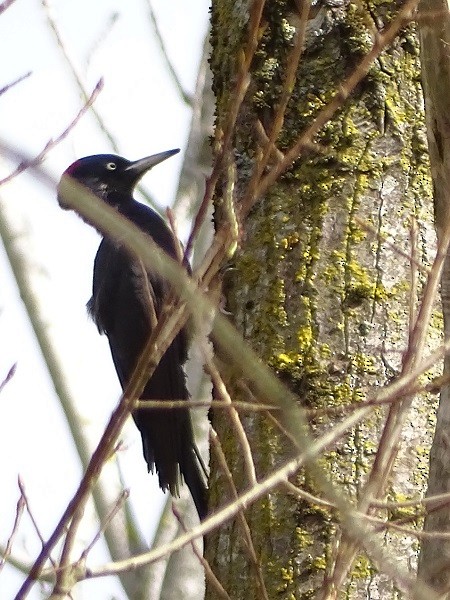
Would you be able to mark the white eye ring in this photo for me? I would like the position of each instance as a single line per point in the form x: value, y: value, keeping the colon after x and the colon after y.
x: 111, y: 166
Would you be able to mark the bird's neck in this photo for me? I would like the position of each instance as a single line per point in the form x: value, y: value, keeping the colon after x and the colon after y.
x: 119, y: 200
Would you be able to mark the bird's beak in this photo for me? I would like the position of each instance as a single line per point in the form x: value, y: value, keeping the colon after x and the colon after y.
x: 138, y: 167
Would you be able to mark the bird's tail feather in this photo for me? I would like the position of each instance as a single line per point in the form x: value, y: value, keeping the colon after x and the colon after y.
x: 167, y: 436
x: 193, y: 476
x: 191, y: 469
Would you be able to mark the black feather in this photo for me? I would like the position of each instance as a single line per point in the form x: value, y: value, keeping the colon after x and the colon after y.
x: 124, y: 296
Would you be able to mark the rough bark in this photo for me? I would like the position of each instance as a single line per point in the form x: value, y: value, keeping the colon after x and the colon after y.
x: 435, y: 40
x: 323, y: 300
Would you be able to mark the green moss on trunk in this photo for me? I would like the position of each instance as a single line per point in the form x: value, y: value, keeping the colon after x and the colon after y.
x: 320, y: 298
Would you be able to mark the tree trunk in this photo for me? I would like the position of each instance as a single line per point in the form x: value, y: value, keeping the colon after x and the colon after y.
x: 318, y: 286
x: 435, y: 39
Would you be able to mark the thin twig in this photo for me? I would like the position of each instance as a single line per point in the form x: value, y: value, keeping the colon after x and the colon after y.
x: 303, y: 495
x: 187, y: 99
x: 7, y: 87
x: 175, y: 237
x: 9, y: 544
x: 50, y: 572
x: 55, y: 141
x: 290, y: 77
x: 175, y: 404
x: 8, y: 377
x: 75, y: 72
x: 247, y: 537
x: 5, y: 4
x: 408, y: 387
x: 112, y: 20
x: 224, y: 132
x: 124, y: 495
x: 31, y: 515
x: 383, y: 40
x: 218, y: 587
x: 388, y: 444
x: 79, y: 79
x: 440, y: 501
x: 222, y: 391
x: 230, y: 510
x: 64, y: 573
x: 414, y: 281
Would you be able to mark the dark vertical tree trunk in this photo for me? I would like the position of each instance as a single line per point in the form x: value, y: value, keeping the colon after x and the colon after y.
x: 317, y: 286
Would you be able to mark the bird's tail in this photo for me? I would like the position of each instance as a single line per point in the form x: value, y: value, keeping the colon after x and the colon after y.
x: 193, y: 475
x: 167, y: 436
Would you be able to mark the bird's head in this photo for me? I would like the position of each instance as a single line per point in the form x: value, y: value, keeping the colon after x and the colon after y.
x: 103, y: 174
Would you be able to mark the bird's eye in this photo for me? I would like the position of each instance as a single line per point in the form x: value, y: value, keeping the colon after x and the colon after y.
x: 111, y: 166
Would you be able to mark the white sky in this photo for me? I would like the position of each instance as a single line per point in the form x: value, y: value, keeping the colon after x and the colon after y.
x: 141, y: 107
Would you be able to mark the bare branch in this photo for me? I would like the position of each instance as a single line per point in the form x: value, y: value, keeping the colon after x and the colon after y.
x: 5, y: 4
x: 114, y: 510
x: 187, y: 99
x: 218, y: 587
x: 75, y: 72
x: 248, y: 542
x: 8, y: 377
x: 383, y: 40
x: 9, y: 544
x: 55, y: 141
x: 112, y: 20
x: 6, y: 88
x: 224, y: 132
x: 235, y: 420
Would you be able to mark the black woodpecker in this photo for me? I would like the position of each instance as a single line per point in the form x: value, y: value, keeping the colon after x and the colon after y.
x: 119, y: 307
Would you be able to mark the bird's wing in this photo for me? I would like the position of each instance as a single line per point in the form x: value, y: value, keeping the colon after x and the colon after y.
x: 119, y: 306
x: 126, y: 300
x: 106, y: 268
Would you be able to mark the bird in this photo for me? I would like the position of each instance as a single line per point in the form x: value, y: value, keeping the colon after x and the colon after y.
x: 121, y: 309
